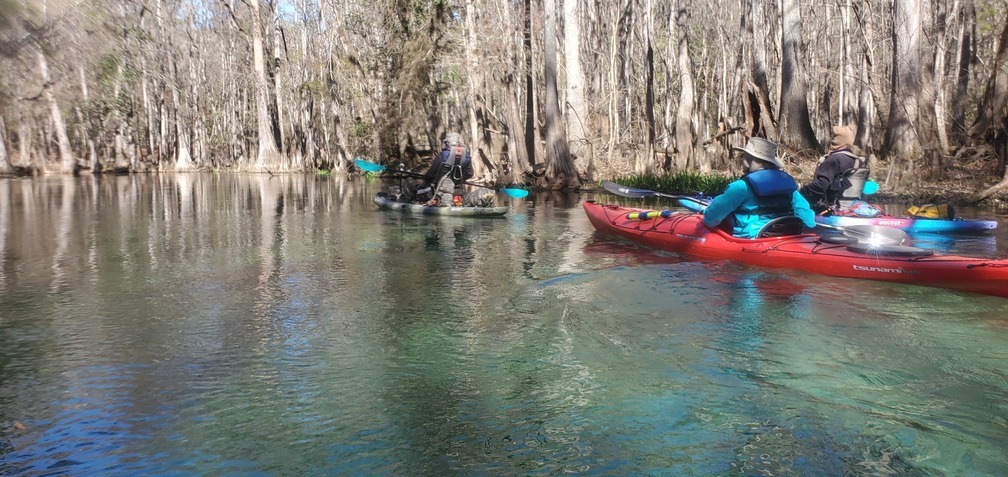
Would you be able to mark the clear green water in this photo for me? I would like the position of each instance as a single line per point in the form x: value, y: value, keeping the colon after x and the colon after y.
x: 249, y: 325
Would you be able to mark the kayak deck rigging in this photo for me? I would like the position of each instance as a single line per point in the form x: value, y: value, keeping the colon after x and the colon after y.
x: 685, y: 233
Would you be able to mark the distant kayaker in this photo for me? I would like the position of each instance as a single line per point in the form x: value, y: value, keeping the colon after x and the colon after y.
x: 840, y: 175
x: 763, y: 193
x: 449, y: 169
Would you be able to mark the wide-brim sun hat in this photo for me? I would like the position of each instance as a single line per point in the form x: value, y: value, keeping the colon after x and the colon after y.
x: 762, y: 149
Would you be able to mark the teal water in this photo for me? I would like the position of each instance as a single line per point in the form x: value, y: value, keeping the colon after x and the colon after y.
x: 257, y: 325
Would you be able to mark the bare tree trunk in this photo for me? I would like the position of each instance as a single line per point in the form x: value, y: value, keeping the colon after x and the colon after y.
x: 480, y: 167
x: 576, y: 110
x: 943, y: 39
x: 5, y: 165
x: 185, y: 122
x: 560, y: 170
x: 148, y: 107
x: 795, y: 122
x: 24, y: 137
x: 198, y: 80
x: 717, y: 148
x: 268, y: 155
x: 304, y: 134
x: 1000, y: 146
x: 764, y: 123
x: 182, y: 159
x: 517, y: 161
x: 967, y: 26
x: 89, y: 155
x: 847, y: 102
x: 670, y: 52
x: 278, y: 42
x: 865, y: 135
x: 615, y: 81
x: 164, y: 148
x: 626, y: 67
x: 649, y: 95
x: 67, y: 161
x: 927, y: 165
x: 115, y: 119
x: 992, y: 108
x: 685, y: 138
x: 530, y: 110
x: 902, y: 142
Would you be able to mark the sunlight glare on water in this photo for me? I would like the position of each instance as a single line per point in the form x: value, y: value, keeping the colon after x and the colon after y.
x: 778, y: 377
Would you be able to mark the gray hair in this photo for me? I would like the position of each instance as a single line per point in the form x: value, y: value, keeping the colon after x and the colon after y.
x: 453, y: 139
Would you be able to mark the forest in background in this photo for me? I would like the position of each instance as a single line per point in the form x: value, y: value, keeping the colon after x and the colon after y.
x: 553, y: 93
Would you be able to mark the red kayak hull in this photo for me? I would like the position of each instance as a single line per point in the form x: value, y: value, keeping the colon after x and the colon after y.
x: 686, y: 233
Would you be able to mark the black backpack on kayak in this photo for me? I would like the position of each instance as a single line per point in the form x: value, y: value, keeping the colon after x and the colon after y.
x: 847, y: 187
x: 453, y: 162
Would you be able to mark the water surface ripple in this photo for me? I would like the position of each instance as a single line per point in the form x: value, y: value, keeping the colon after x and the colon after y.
x: 282, y: 325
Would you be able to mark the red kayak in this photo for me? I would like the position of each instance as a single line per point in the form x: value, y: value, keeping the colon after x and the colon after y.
x: 686, y: 233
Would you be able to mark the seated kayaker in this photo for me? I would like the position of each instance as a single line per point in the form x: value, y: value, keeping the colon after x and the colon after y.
x: 763, y: 193
x: 840, y: 175
x: 449, y: 169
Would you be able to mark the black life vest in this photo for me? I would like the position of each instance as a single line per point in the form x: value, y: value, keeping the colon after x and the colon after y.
x: 453, y: 165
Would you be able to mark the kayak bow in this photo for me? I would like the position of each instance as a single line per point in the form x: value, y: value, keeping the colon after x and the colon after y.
x: 686, y: 234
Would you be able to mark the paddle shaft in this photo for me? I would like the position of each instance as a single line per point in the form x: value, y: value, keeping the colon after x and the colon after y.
x: 644, y: 193
x: 369, y: 166
x: 417, y: 174
x: 373, y: 167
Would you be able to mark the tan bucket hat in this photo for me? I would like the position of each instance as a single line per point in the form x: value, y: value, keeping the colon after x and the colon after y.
x: 761, y: 149
x: 843, y: 136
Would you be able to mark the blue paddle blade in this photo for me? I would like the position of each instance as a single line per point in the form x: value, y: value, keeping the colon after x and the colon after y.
x: 870, y: 187
x: 368, y: 166
x: 516, y: 193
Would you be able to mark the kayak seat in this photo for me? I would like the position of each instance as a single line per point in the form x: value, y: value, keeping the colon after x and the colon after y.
x: 838, y: 239
x: 786, y: 225
x: 858, y: 178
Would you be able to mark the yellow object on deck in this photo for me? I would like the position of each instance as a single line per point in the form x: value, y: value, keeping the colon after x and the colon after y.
x: 649, y: 214
x: 932, y: 211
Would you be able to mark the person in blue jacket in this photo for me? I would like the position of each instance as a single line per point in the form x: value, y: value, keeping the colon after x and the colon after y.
x: 763, y: 193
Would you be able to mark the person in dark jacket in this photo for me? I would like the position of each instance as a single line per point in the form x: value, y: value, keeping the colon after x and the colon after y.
x: 833, y: 174
x: 449, y: 169
x: 763, y: 193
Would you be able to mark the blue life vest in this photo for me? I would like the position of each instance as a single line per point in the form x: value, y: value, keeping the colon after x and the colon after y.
x: 773, y: 189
